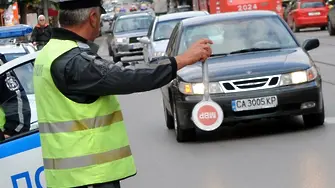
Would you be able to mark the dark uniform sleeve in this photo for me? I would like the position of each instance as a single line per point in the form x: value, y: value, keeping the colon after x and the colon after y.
x: 91, y: 75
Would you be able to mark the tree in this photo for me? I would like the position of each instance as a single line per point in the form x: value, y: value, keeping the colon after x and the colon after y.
x: 23, y: 8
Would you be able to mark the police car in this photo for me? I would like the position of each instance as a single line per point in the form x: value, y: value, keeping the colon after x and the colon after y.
x: 20, y: 156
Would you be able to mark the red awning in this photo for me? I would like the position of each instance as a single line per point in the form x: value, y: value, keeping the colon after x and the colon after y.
x: 52, y: 12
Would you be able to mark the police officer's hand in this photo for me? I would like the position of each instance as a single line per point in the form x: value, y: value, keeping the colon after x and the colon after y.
x: 199, y: 51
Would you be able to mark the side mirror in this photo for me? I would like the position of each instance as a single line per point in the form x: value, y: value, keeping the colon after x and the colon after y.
x: 144, y: 40
x: 311, y: 44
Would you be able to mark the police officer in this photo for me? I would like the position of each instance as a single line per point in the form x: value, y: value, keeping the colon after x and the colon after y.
x: 83, y: 136
x: 14, y: 105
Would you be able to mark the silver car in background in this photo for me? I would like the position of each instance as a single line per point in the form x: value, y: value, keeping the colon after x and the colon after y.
x: 125, y: 31
x: 159, y: 33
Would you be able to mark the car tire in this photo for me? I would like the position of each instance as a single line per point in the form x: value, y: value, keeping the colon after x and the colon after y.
x: 182, y: 135
x: 331, y: 29
x: 313, y: 120
x: 323, y: 28
x: 169, y: 121
x: 294, y: 27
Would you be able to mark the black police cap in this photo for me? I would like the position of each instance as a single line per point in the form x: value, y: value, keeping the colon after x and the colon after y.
x: 78, y: 4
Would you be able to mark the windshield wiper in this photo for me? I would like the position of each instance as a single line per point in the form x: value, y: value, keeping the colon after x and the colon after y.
x: 252, y: 50
x: 161, y: 39
x: 216, y: 55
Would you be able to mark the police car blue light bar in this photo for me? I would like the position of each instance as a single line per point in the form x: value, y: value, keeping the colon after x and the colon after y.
x: 15, y: 31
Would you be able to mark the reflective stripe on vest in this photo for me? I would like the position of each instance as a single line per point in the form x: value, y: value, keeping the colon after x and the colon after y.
x: 82, y: 144
x: 2, y: 119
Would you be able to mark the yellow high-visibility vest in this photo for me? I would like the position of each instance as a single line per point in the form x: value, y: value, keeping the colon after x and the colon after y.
x: 82, y: 144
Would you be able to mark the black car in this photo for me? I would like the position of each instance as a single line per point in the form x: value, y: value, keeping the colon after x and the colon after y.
x: 257, y: 70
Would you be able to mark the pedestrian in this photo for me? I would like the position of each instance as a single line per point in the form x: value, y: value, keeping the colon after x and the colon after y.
x: 83, y: 136
x: 15, y: 113
x: 41, y: 33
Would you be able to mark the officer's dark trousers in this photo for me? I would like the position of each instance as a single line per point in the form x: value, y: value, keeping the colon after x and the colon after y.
x: 115, y: 184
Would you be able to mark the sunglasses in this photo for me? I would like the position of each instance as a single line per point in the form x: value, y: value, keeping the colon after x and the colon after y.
x: 41, y: 20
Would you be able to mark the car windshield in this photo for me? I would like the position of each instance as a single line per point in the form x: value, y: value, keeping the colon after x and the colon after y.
x: 164, y: 29
x: 5, y: 41
x: 312, y: 5
x: 10, y: 57
x: 234, y: 35
x: 132, y: 24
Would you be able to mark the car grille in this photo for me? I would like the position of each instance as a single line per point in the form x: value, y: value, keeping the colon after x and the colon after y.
x: 250, y: 84
x: 133, y: 39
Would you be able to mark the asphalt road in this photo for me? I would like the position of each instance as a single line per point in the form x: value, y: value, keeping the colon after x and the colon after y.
x: 268, y: 154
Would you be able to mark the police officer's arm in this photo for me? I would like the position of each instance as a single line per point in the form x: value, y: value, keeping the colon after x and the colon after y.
x: 95, y: 76
x: 92, y: 75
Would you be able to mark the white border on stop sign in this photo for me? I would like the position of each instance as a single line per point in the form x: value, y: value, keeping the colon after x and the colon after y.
x: 197, y: 121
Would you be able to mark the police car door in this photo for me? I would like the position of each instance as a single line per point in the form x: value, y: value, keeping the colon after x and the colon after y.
x: 20, y: 156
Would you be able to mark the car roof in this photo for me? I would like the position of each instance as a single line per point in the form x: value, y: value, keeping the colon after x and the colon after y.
x: 12, y: 49
x: 134, y: 14
x: 180, y: 15
x: 226, y: 16
x: 18, y: 61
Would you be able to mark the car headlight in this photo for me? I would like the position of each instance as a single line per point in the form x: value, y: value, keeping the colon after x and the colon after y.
x: 198, y: 88
x: 159, y: 54
x: 299, y: 77
x: 121, y: 40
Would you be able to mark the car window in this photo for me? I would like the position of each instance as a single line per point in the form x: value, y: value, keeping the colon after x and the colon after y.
x: 17, y: 101
x: 132, y: 24
x: 312, y: 5
x: 150, y: 29
x: 164, y: 29
x: 234, y: 35
x: 172, y: 42
x: 10, y: 57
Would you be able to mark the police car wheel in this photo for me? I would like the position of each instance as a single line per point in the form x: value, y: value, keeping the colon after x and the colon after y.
x: 313, y: 120
x: 168, y: 118
x: 182, y: 135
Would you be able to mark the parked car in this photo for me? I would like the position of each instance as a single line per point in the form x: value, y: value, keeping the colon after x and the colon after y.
x: 154, y: 44
x: 125, y: 30
x: 307, y: 13
x: 257, y: 70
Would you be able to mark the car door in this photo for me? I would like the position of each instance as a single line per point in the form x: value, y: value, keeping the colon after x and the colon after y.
x: 20, y: 156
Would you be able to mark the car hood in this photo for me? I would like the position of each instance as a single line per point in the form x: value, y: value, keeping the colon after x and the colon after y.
x: 247, y: 65
x: 138, y: 33
x: 160, y: 46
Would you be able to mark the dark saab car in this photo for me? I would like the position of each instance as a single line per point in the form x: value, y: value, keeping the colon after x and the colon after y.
x: 126, y: 29
x: 257, y: 70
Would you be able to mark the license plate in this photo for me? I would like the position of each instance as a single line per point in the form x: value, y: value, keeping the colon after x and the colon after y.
x: 314, y: 13
x: 254, y: 103
x: 135, y: 46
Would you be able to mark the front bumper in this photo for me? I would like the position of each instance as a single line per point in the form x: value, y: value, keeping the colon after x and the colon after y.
x: 121, y: 50
x: 289, y: 99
